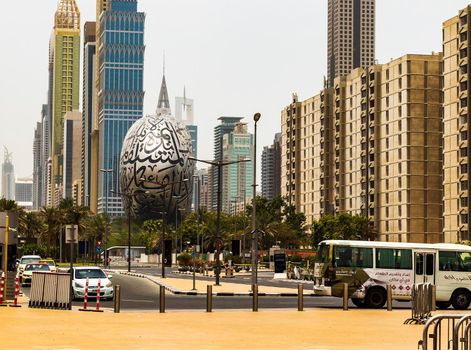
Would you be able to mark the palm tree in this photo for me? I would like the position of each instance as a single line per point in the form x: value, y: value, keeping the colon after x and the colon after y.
x: 30, y: 224
x: 8, y: 205
x: 52, y: 218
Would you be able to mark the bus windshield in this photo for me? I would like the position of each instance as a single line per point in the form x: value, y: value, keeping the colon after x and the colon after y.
x: 322, y: 255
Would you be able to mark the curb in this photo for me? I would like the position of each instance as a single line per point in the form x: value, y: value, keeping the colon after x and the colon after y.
x: 219, y: 294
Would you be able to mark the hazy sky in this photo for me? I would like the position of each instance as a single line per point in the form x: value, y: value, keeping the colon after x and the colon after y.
x: 236, y: 57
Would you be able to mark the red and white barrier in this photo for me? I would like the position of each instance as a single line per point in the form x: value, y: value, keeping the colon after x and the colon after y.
x: 17, y: 292
x: 85, y: 297
x: 2, y: 286
x: 98, y: 296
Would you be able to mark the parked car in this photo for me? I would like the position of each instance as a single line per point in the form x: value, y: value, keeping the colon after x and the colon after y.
x: 51, y: 263
x: 27, y: 275
x: 26, y: 259
x: 94, y: 274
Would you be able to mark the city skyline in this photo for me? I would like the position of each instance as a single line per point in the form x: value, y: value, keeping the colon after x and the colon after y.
x: 210, y: 77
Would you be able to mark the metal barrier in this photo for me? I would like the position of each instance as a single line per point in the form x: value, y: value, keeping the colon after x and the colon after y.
x: 447, y: 331
x: 422, y: 297
x: 50, y: 291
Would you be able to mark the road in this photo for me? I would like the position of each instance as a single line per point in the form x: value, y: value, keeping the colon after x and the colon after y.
x: 141, y: 294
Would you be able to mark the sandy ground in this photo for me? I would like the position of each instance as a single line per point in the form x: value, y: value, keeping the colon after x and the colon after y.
x: 24, y: 328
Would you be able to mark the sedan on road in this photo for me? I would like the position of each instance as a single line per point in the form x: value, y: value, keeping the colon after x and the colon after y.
x: 94, y: 274
x: 27, y: 275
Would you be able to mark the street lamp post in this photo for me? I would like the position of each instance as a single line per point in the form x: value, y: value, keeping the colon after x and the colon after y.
x: 162, y: 242
x: 105, y: 240
x: 256, y: 118
x: 181, y: 233
x: 163, y: 187
x: 129, y: 197
x: 219, y: 164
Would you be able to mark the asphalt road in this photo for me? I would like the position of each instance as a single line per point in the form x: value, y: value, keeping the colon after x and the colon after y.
x: 141, y: 294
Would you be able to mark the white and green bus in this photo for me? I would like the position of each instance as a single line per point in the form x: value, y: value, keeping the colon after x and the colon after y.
x: 368, y: 267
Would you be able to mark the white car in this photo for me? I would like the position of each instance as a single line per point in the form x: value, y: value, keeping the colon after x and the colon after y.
x: 27, y: 276
x: 27, y: 259
x: 94, y: 274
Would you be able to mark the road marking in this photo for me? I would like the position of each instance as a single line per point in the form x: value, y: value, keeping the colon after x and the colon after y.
x: 139, y: 301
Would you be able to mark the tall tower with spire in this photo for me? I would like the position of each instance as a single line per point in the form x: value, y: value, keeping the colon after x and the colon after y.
x: 120, y: 95
x: 163, y: 105
x: 65, y: 83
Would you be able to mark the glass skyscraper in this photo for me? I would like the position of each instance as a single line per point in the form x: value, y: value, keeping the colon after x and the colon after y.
x: 120, y: 93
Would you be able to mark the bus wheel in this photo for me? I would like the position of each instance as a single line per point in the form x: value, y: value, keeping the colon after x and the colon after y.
x: 442, y: 305
x: 460, y: 299
x: 358, y: 302
x: 375, y: 298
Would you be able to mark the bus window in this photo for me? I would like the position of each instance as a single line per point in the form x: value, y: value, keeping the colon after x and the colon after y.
x: 322, y: 255
x: 389, y: 258
x: 353, y: 257
x: 419, y: 264
x: 429, y: 265
x: 466, y: 259
x: 454, y: 261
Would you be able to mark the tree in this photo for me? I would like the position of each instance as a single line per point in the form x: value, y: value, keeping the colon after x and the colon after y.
x: 30, y: 225
x: 343, y: 226
x: 52, y: 219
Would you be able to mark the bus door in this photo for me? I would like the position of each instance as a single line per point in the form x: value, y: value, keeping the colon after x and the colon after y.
x: 424, y: 267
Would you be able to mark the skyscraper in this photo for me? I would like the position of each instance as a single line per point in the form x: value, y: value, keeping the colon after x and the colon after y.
x: 184, y: 109
x: 66, y: 68
x: 72, y: 153
x: 120, y: 93
x: 88, y: 106
x: 24, y: 193
x: 351, y: 36
x: 37, y: 167
x: 271, y: 169
x: 226, y: 126
x: 237, y: 178
x: 8, y: 176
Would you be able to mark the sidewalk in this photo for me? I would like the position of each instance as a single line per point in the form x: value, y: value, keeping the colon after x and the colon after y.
x: 316, y: 329
x: 178, y: 285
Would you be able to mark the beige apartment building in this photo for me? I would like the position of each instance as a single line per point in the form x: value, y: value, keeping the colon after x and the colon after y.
x: 456, y: 52
x: 371, y: 145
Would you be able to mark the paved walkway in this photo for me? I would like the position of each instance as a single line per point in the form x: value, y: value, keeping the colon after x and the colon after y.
x: 177, y: 284
x: 34, y: 329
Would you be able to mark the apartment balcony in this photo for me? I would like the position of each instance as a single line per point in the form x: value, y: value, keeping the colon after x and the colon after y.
x: 463, y: 61
x: 463, y: 177
x: 463, y: 94
x: 371, y: 191
x: 463, y: 143
x: 371, y: 123
x: 362, y: 166
x: 363, y: 114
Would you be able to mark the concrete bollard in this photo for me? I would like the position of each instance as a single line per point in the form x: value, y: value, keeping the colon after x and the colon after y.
x: 300, y: 297
x: 389, y: 297
x: 162, y: 299
x: 434, y: 297
x: 345, y: 297
x: 117, y: 299
x: 255, y: 297
x: 209, y: 298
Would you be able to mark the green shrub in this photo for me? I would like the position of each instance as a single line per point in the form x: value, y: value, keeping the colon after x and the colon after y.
x: 295, y: 258
x: 184, y: 259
